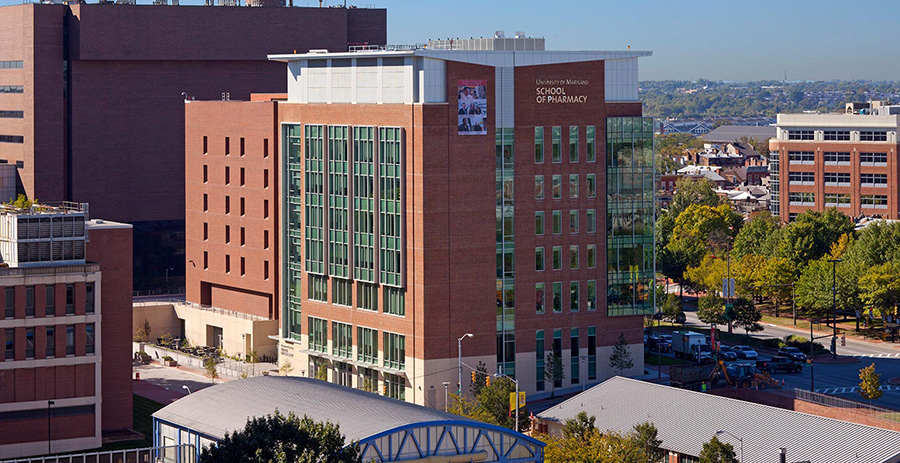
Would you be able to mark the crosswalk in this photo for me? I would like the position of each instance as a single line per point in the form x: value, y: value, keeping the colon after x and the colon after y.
x: 878, y: 356
x: 850, y: 390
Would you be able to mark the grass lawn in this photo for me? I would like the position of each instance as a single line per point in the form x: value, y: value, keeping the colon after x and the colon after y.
x: 651, y: 359
x: 143, y: 423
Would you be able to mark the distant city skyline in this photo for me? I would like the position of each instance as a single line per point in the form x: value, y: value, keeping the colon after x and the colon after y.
x: 809, y: 40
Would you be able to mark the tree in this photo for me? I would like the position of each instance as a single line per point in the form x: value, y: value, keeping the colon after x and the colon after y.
x: 606, y: 447
x: 811, y: 235
x: 708, y: 275
x: 22, y: 202
x: 877, y: 244
x: 716, y: 451
x: 814, y: 291
x: 283, y: 439
x: 285, y: 368
x: 209, y: 364
x: 321, y: 371
x: 491, y: 405
x: 690, y: 237
x: 646, y: 436
x: 620, y: 359
x: 758, y: 236
x: 776, y: 276
x: 581, y: 427
x: 689, y: 192
x: 480, y: 378
x: 252, y: 358
x: 870, y: 383
x: 879, y: 287
x: 143, y: 332
x: 553, y: 370
x: 747, y: 316
x: 672, y: 309
x: 711, y: 309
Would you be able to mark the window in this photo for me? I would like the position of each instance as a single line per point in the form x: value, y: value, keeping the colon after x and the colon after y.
x: 29, y: 301
x: 367, y: 345
x: 591, y: 185
x: 205, y: 144
x: 395, y: 351
x: 10, y: 349
x: 573, y: 257
x: 592, y: 353
x: 205, y: 260
x: 228, y: 204
x: 837, y: 158
x: 50, y: 301
x: 801, y: 157
x: 538, y: 187
x: 538, y: 145
x: 265, y: 208
x: 574, y: 362
x: 12, y: 89
x: 205, y: 173
x: 873, y: 159
x: 342, y: 339
x: 341, y: 292
x: 394, y: 386
x: 12, y: 114
x: 205, y: 231
x: 265, y: 147
x: 872, y: 135
x: 50, y: 350
x: 243, y: 236
x: 556, y: 140
x: 837, y: 200
x: 366, y: 296
x: 70, y: 340
x: 227, y: 263
x: 837, y: 179
x: 539, y: 223
x: 243, y: 206
x: 557, y: 257
x: 573, y: 143
x: 89, y: 342
x: 318, y: 334
x: 592, y: 295
x: 227, y: 146
x: 802, y: 178
x: 265, y: 270
x: 265, y: 239
x: 539, y: 297
x: 874, y: 201
x: 205, y: 202
x: 801, y: 135
x: 318, y: 288
x: 802, y: 199
x: 227, y: 234
x: 557, y: 222
x: 837, y: 135
x: 243, y: 266
x: 591, y: 256
x: 873, y: 180
x: 557, y: 186
x: 10, y: 307
x: 12, y: 139
x: 539, y: 259
x: 265, y: 178
x: 29, y: 343
x: 591, y: 221
x: 540, y: 359
x: 227, y: 175
x: 243, y: 177
x: 591, y: 155
x: 242, y: 148
x: 557, y: 297
x: 574, y: 296
x: 394, y: 301
x: 573, y: 186
x: 12, y: 64
x: 573, y: 222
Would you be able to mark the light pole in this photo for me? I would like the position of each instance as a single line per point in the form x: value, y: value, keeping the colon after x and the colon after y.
x: 834, y: 263
x: 501, y: 375
x: 446, y: 398
x: 184, y: 386
x: 736, y: 437
x: 49, y: 440
x: 459, y: 350
x: 167, y: 277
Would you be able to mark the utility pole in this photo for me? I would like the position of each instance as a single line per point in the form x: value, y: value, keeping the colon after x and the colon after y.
x: 834, y: 263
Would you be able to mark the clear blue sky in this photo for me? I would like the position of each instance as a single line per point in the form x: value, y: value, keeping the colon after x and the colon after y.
x: 690, y: 39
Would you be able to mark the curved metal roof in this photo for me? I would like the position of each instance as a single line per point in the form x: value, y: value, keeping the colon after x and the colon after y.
x: 226, y: 407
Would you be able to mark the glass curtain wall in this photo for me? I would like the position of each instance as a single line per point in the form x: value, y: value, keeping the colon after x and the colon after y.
x: 506, y: 268
x: 293, y: 214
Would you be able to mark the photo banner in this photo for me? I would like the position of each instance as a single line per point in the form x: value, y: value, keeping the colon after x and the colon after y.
x: 472, y: 107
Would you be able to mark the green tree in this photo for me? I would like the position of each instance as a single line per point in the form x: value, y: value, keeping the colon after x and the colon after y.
x: 775, y: 277
x: 814, y: 288
x: 481, y: 376
x: 321, y: 371
x: 758, y: 236
x: 879, y: 287
x: 711, y: 309
x: 877, y: 244
x: 693, y: 227
x: 708, y: 275
x: 689, y: 192
x: 553, y: 370
x: 143, y: 332
x: 747, y: 316
x: 606, y: 447
x: 620, y: 358
x: 870, y: 383
x: 209, y: 364
x: 811, y: 235
x: 672, y: 308
x: 283, y: 439
x: 716, y: 451
x: 491, y: 405
x: 647, y: 437
x: 582, y: 427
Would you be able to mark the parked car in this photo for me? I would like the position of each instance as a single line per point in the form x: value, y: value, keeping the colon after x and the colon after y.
x: 727, y: 353
x: 745, y: 352
x: 793, y: 353
x: 659, y: 344
x: 779, y: 363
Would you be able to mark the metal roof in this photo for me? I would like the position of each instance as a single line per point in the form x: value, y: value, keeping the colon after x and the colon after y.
x: 227, y: 407
x: 733, y: 133
x: 687, y: 419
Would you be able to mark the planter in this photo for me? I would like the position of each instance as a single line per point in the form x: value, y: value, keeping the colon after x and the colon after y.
x: 170, y: 363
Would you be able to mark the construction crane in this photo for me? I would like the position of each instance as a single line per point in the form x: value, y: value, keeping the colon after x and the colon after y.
x: 743, y: 375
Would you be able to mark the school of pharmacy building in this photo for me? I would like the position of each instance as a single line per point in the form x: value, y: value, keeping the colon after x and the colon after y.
x: 397, y: 199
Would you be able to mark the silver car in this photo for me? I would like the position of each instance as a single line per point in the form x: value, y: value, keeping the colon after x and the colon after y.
x: 745, y: 352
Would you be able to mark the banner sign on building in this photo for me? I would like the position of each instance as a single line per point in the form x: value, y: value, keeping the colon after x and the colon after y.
x: 472, y: 110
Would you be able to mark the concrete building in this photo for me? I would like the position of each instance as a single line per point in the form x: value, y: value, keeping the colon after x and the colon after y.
x: 92, y: 95
x: 66, y: 330
x: 394, y: 221
x: 844, y: 161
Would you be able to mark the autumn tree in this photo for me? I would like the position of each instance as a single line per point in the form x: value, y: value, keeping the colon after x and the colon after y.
x: 879, y: 287
x: 870, y: 383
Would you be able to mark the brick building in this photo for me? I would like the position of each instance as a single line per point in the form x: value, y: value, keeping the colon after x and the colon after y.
x: 65, y: 330
x: 91, y: 97
x: 843, y: 161
x: 395, y: 225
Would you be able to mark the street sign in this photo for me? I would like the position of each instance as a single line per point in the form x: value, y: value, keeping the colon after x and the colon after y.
x: 512, y: 400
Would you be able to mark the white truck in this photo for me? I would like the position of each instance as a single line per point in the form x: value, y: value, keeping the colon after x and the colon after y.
x: 691, y: 345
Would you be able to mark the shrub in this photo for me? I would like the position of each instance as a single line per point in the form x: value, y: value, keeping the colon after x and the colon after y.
x: 168, y: 358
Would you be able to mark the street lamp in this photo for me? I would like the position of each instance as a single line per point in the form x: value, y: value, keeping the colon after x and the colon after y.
x: 459, y: 350
x: 446, y: 401
x: 184, y: 386
x: 49, y: 440
x: 167, y: 276
x: 834, y: 263
x: 736, y: 437
x: 501, y: 375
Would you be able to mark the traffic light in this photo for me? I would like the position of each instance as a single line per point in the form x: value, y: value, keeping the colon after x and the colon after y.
x: 843, y: 340
x: 834, y: 344
x: 487, y: 380
x: 473, y: 377
x: 384, y: 390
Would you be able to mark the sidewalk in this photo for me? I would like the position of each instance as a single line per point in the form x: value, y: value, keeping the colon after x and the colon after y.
x: 165, y: 384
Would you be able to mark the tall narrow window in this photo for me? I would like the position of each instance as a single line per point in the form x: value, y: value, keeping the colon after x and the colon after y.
x: 591, y: 185
x: 10, y: 307
x: 573, y: 257
x: 205, y: 231
x: 227, y: 234
x: 205, y: 144
x: 205, y: 173
x: 243, y: 206
x: 10, y: 340
x: 227, y: 146
x: 228, y: 204
x: 89, y: 341
x: 592, y: 295
x: 70, y: 339
x: 265, y: 239
x: 539, y: 223
x: 243, y: 177
x: 557, y: 297
x: 573, y: 143
x: 50, y: 350
x: 265, y: 208
x: 556, y: 139
x: 539, y: 297
x: 573, y: 222
x: 29, y: 301
x: 242, y: 146
x: 591, y: 226
x: 557, y: 222
x: 573, y: 186
x: 538, y: 145
x: 243, y: 236
x: 50, y: 301
x: 557, y: 187
x: 538, y: 187
x: 575, y: 356
x: 265, y: 147
x: 227, y: 175
x: 205, y: 260
x: 591, y: 136
x: 227, y: 263
x: 539, y: 356
x: 243, y: 267
x: 539, y: 259
x: 574, y: 296
x: 592, y: 353
x: 592, y: 256
x: 70, y: 299
x: 29, y: 343
x: 89, y: 298
x: 205, y: 202
x: 266, y: 178
x: 557, y: 257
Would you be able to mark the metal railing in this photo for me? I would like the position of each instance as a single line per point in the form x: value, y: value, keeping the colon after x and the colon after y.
x: 846, y: 405
x: 218, y: 310
x: 185, y: 453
